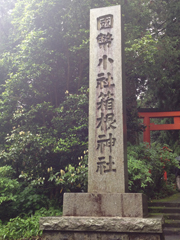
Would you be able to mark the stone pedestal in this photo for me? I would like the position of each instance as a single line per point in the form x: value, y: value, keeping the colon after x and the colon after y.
x: 105, y: 205
x: 99, y: 228
x: 88, y: 216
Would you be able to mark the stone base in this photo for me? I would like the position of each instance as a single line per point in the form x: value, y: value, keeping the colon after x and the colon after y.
x: 88, y: 228
x: 105, y: 205
x: 99, y: 236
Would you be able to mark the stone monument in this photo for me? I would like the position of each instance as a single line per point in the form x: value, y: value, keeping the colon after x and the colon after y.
x: 107, y: 211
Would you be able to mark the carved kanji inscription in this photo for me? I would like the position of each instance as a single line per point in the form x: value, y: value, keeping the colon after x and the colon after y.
x: 103, y: 141
x: 104, y: 61
x: 105, y: 167
x: 106, y: 101
x: 105, y: 22
x: 104, y: 40
x: 104, y: 82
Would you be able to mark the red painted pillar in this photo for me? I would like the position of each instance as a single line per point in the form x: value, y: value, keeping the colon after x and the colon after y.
x: 146, y: 135
x: 176, y: 121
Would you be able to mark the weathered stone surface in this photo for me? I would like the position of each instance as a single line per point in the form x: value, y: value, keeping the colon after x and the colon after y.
x: 101, y: 205
x: 134, y: 205
x: 146, y: 237
x: 99, y: 236
x: 85, y: 236
x: 106, y: 224
x: 107, y: 163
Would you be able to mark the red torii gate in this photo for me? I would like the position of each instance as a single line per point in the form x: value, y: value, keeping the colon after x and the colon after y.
x: 146, y: 114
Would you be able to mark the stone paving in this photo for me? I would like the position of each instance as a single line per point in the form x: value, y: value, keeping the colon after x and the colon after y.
x: 172, y: 237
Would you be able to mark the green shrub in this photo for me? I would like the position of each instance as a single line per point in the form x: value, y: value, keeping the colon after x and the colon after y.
x: 139, y: 176
x: 24, y: 201
x: 8, y: 186
x: 8, y: 189
x: 27, y: 227
x: 146, y: 167
x: 28, y: 200
x: 73, y: 178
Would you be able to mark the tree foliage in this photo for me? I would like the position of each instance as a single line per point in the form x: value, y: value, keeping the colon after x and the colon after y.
x: 146, y: 168
x: 44, y: 77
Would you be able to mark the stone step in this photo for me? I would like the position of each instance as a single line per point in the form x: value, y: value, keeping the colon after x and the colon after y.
x: 171, y: 213
x: 164, y: 204
x: 169, y: 216
x: 172, y: 223
x: 164, y: 210
x: 171, y: 231
x: 172, y: 216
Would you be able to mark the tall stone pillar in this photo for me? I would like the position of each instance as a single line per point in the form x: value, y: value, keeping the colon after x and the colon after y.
x: 107, y: 211
x: 107, y: 169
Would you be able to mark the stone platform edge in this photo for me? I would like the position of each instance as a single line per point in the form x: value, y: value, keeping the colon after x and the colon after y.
x: 102, y: 224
